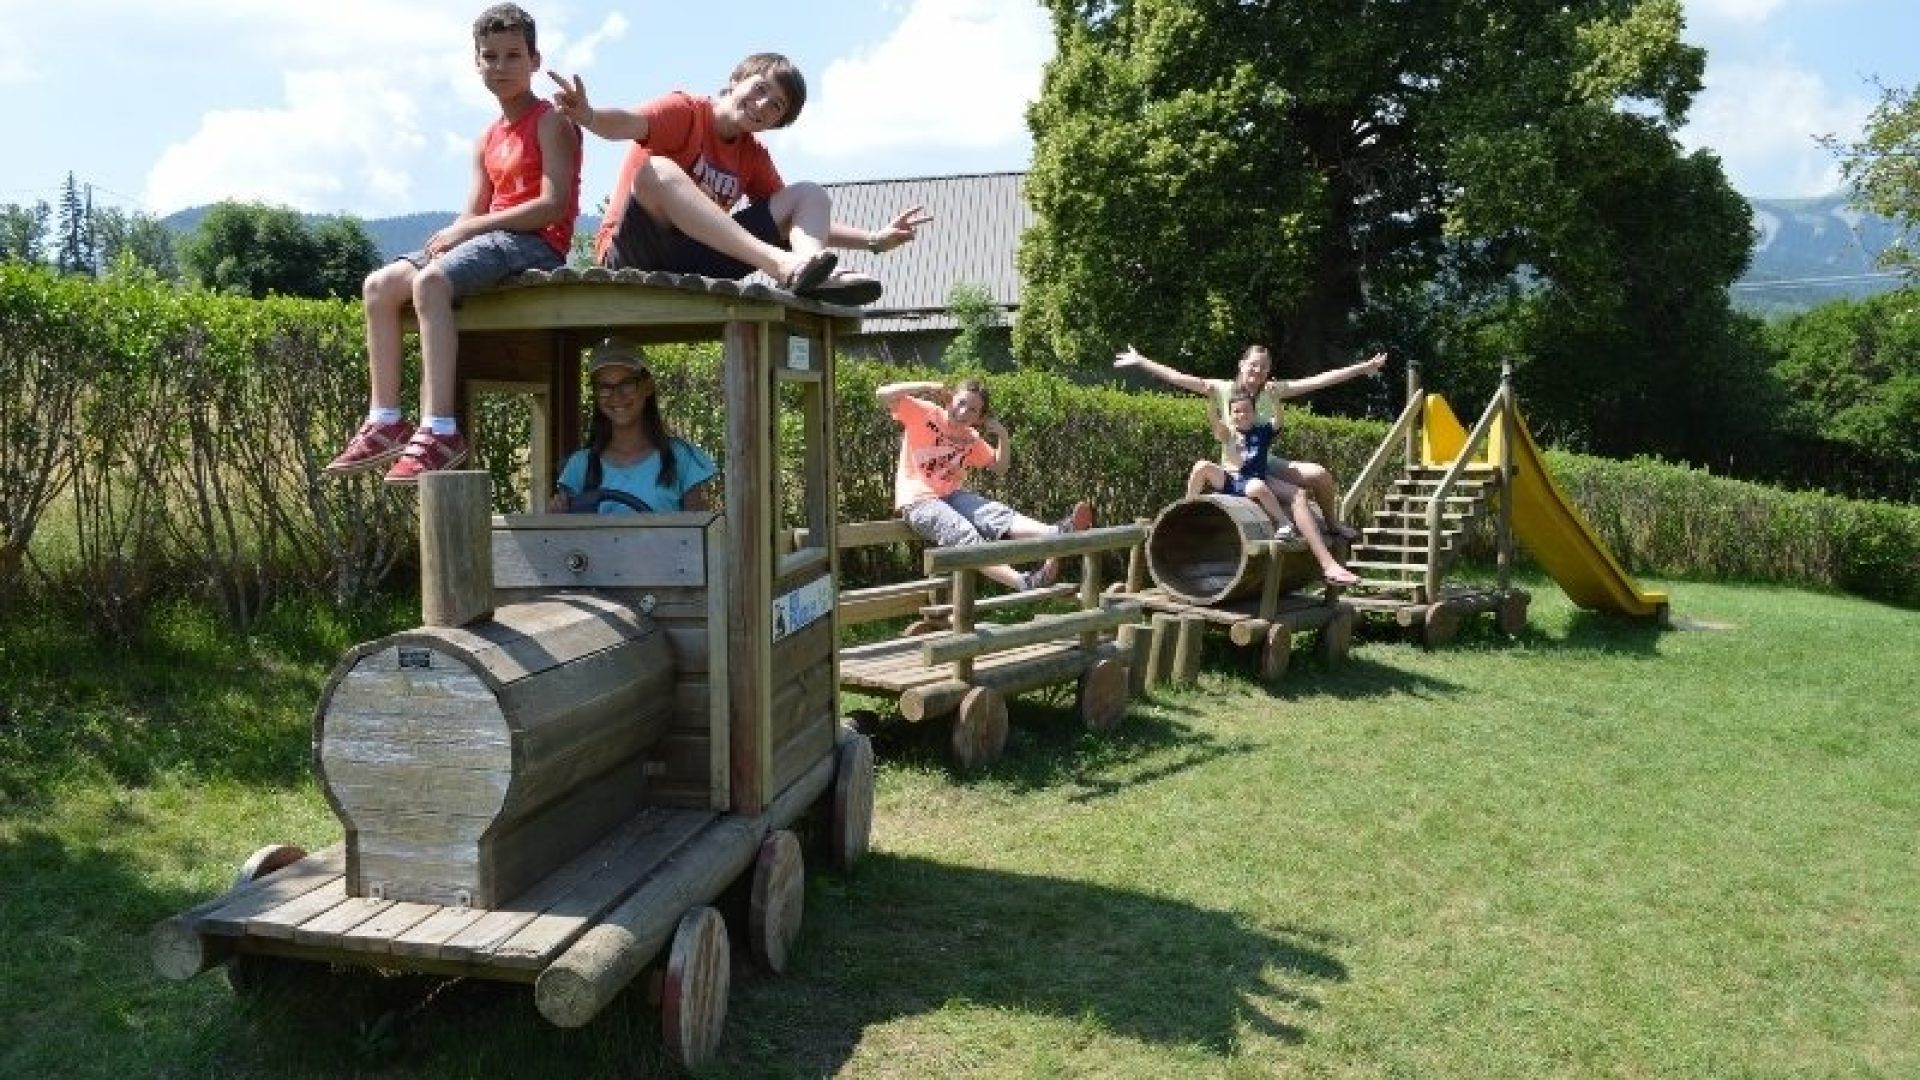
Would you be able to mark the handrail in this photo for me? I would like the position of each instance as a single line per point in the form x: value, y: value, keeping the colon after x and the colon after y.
x: 1377, y: 464
x: 1497, y: 407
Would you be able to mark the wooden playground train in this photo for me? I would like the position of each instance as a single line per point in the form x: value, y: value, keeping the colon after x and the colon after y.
x: 605, y: 723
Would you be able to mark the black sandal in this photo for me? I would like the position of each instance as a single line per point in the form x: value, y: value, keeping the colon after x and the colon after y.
x: 809, y: 275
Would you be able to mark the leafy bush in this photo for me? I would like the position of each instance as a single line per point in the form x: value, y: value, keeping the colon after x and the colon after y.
x: 174, y: 441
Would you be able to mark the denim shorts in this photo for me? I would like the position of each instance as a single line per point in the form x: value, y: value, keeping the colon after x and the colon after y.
x: 964, y: 517
x: 489, y: 259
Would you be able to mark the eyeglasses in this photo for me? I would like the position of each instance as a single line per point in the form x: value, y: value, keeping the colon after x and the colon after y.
x: 626, y: 385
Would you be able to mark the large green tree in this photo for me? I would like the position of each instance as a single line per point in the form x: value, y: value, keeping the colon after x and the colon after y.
x: 259, y: 250
x: 1306, y: 172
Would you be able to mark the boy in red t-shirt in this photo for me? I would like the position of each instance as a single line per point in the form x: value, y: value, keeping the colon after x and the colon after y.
x: 694, y: 159
x: 519, y: 216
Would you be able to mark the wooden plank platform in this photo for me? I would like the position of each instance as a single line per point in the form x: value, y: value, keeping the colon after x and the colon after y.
x: 303, y: 910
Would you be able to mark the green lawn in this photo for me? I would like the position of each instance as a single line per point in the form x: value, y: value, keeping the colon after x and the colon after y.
x: 1594, y: 850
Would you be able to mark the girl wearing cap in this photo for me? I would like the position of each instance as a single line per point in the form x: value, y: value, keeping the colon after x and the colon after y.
x: 630, y: 464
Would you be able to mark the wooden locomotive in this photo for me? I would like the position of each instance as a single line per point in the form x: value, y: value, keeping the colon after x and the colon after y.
x: 605, y: 722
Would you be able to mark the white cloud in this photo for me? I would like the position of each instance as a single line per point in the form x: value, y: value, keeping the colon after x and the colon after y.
x: 1762, y: 121
x: 341, y: 139
x: 955, y: 74
x: 574, y: 56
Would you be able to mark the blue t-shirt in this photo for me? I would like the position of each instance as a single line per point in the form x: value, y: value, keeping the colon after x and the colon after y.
x: 1253, y: 444
x: 642, y: 480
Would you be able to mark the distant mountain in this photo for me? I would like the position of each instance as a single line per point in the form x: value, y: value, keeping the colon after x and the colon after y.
x: 1811, y: 251
x: 1807, y: 251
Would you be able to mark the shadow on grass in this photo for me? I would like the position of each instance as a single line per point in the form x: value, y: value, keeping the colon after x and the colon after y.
x: 1135, y: 966
x: 1048, y: 748
x: 905, y: 937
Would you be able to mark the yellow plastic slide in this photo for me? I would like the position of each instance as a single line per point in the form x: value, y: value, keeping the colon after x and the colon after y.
x: 1545, y: 520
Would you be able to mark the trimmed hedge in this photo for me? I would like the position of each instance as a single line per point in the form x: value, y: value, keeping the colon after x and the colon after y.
x: 156, y: 442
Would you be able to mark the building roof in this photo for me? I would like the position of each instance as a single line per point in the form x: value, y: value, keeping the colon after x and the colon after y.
x: 976, y: 227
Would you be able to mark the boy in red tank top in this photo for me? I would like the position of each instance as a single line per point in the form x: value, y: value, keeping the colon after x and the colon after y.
x: 693, y: 163
x: 519, y: 216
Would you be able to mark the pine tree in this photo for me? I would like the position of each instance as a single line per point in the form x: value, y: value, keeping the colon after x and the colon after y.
x: 75, y: 252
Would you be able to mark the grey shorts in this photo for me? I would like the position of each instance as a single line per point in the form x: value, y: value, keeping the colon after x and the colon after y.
x: 964, y: 517
x: 489, y: 259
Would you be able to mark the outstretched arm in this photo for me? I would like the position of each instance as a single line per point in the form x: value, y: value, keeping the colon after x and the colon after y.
x: 893, y: 392
x: 617, y: 125
x: 1308, y: 385
x: 1170, y: 376
x: 901, y: 230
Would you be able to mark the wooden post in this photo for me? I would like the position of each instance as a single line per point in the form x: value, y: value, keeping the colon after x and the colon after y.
x: 1160, y: 650
x: 456, y: 548
x: 1503, y: 466
x: 1270, y: 585
x: 1137, y: 640
x: 1186, y: 651
x: 750, y: 440
x: 1137, y: 563
x: 1413, y: 431
x: 1089, y: 593
x: 963, y: 620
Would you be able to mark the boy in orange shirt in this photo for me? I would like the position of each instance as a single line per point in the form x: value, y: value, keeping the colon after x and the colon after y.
x: 694, y: 159
x: 519, y: 216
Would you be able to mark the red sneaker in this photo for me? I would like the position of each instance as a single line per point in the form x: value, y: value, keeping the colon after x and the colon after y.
x: 425, y: 453
x: 372, y: 446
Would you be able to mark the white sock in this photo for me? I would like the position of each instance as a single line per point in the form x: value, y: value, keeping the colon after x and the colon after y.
x: 442, y: 425
x: 383, y: 416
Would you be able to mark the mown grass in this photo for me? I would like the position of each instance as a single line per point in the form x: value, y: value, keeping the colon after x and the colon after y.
x: 1596, y: 849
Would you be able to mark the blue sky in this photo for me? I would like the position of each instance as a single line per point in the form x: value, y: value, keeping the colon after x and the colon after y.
x: 371, y: 106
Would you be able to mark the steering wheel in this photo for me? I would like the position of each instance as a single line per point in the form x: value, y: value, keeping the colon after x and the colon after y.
x: 588, y: 502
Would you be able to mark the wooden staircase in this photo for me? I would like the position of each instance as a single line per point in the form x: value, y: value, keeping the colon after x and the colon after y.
x: 1392, y: 555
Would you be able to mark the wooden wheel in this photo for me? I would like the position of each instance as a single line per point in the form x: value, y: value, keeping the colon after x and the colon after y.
x: 251, y: 975
x: 1336, y: 638
x: 851, y: 822
x: 1441, y: 626
x: 1512, y: 613
x: 777, y: 900
x: 1103, y: 695
x: 980, y: 729
x: 1276, y: 653
x: 693, y: 993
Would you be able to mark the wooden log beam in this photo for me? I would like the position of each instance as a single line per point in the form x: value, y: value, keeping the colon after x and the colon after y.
x: 1004, y: 600
x: 934, y: 700
x: 581, y: 981
x: 985, y: 640
x: 1033, y: 549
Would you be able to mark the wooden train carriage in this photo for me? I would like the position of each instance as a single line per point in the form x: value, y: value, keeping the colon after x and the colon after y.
x: 1216, y: 563
x: 605, y: 721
